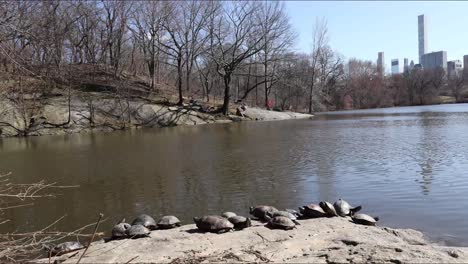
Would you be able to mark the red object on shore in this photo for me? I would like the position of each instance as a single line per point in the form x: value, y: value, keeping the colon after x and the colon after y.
x: 270, y: 104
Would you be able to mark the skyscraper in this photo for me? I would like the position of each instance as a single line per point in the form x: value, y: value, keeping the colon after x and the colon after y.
x: 381, y: 63
x: 465, y: 67
x: 434, y: 60
x: 411, y: 65
x: 395, y: 66
x: 405, y: 65
x: 422, y: 36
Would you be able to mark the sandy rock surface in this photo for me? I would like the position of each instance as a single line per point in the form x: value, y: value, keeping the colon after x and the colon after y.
x: 324, y: 240
x: 262, y: 114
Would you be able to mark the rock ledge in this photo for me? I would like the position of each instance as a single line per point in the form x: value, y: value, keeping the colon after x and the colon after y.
x: 324, y: 240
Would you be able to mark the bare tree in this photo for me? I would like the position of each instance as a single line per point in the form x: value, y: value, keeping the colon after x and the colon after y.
x: 173, y: 42
x: 207, y: 75
x: 277, y: 39
x: 417, y: 84
x: 456, y: 84
x: 195, y: 14
x: 83, y: 35
x: 234, y: 37
x: 364, y: 85
x: 329, y: 70
x: 146, y: 26
x: 319, y: 41
x: 115, y: 25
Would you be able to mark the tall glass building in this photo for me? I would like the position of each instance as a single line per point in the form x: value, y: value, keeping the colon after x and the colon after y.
x: 422, y: 36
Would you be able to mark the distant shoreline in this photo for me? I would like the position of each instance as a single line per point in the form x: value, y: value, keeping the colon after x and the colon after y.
x: 54, y: 117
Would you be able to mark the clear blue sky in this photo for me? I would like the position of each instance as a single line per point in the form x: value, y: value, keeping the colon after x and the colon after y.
x: 361, y: 29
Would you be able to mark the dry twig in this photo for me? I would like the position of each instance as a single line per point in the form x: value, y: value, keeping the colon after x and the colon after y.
x: 92, y: 237
x: 18, y: 247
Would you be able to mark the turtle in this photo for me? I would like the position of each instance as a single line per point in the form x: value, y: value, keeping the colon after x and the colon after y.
x: 228, y: 214
x: 119, y: 230
x: 213, y: 223
x: 240, y: 222
x: 294, y: 212
x: 343, y: 208
x: 65, y: 247
x: 328, y: 208
x: 280, y: 222
x: 282, y: 213
x: 285, y: 214
x: 168, y: 222
x: 146, y: 221
x: 137, y: 231
x: 260, y: 211
x: 312, y: 211
x: 364, y: 219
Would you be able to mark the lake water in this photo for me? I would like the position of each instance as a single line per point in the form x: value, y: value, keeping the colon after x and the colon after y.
x: 408, y: 165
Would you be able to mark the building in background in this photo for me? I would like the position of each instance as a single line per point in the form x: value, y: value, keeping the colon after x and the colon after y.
x: 434, y: 60
x: 454, y: 68
x: 411, y: 65
x: 422, y: 36
x: 465, y: 67
x: 381, y: 63
x: 395, y: 66
x: 405, y: 65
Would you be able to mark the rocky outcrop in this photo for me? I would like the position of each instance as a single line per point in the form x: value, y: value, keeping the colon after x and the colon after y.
x: 53, y: 116
x: 323, y: 240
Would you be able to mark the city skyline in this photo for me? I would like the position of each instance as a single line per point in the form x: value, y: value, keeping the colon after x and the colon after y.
x: 362, y: 29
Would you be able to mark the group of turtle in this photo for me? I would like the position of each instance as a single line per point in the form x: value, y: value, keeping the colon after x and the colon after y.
x: 228, y: 221
x: 142, y: 226
x: 286, y: 219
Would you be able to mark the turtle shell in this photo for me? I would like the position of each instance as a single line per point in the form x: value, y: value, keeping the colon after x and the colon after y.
x: 261, y: 211
x: 312, y: 211
x: 168, y: 221
x: 240, y: 222
x: 66, y: 247
x: 281, y: 222
x: 146, y: 221
x: 364, y: 219
x: 285, y: 214
x: 228, y: 214
x: 137, y: 231
x: 343, y: 208
x: 119, y: 230
x: 328, y: 208
x: 213, y: 223
x: 294, y: 212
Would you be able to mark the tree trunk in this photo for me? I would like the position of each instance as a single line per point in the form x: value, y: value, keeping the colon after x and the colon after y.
x: 179, y: 79
x: 158, y: 70
x: 151, y: 72
x: 256, y: 87
x: 310, y: 97
x: 153, y: 61
x: 187, y: 76
x: 248, y: 78
x: 267, y: 105
x: 227, y: 90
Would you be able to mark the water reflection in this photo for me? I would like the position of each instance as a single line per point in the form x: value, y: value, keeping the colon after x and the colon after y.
x: 426, y: 173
